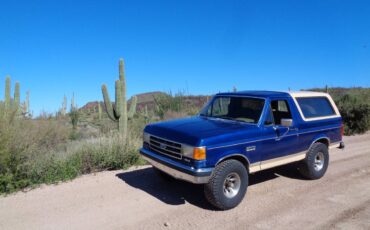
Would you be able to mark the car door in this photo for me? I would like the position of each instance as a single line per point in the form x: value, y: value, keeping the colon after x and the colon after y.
x: 283, y: 139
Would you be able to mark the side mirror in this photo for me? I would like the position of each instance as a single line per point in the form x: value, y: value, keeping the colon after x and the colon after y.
x: 286, y: 122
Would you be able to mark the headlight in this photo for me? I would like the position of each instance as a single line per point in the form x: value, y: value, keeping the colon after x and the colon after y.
x: 146, y: 137
x: 197, y: 153
x: 187, y: 151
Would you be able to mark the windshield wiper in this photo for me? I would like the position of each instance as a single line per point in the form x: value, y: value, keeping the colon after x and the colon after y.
x: 249, y: 122
x: 234, y: 119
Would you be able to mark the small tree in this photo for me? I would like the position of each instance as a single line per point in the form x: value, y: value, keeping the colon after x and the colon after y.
x: 355, y: 114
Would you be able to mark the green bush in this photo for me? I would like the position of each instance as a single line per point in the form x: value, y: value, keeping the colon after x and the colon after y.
x: 169, y: 106
x: 355, y: 113
x: 168, y: 102
x: 81, y: 157
x: 354, y: 105
x: 36, y: 151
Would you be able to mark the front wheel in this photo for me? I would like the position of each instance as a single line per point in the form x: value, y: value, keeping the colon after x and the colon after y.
x: 227, y: 185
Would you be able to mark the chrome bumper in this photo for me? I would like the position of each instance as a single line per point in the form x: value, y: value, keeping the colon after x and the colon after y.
x: 176, y: 169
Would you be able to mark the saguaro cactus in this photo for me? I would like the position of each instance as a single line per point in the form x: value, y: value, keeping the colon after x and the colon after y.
x: 9, y: 103
x: 132, y: 110
x: 16, y: 95
x: 118, y: 112
x: 99, y: 111
x: 7, y: 93
x: 73, y: 102
x: 146, y: 114
x: 74, y: 113
x: 28, y: 106
x: 63, y: 110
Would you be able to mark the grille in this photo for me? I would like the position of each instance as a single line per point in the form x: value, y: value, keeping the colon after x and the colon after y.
x: 165, y: 147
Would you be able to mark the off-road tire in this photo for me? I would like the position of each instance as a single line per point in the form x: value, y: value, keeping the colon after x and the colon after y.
x: 214, y: 189
x: 308, y: 167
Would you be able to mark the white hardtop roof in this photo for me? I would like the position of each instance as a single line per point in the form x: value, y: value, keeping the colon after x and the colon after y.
x: 307, y: 94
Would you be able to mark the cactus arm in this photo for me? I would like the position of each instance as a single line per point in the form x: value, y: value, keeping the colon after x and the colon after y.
x: 132, y: 110
x: 108, y: 104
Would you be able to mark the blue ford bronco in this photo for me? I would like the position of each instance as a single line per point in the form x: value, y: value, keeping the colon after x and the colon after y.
x: 240, y: 133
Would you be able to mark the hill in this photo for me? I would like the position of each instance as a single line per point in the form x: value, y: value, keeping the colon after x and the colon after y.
x: 148, y: 100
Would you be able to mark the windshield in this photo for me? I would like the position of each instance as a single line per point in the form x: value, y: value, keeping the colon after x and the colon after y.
x: 243, y: 109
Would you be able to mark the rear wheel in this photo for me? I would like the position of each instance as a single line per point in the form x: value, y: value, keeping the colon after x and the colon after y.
x: 316, y: 162
x: 227, y: 185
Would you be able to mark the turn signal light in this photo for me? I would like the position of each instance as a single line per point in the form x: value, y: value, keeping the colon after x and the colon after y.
x: 199, y: 153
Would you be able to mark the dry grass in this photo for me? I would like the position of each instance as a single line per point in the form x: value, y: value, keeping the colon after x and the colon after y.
x: 41, y: 151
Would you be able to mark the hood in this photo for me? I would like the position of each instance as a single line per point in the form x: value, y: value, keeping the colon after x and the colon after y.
x: 201, y: 131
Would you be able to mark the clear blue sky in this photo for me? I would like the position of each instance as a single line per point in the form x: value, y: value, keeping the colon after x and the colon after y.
x: 203, y: 47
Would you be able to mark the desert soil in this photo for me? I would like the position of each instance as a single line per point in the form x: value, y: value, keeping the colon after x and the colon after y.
x: 138, y: 199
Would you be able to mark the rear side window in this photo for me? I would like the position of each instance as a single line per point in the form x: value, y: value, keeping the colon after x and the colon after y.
x: 313, y: 107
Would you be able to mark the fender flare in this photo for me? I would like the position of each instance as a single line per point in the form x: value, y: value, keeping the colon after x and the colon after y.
x: 245, y: 161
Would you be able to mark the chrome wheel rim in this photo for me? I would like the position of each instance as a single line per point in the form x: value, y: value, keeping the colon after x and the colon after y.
x: 319, y: 161
x: 231, y: 185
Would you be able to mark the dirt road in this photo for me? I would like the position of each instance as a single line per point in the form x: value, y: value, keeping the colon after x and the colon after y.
x: 138, y: 199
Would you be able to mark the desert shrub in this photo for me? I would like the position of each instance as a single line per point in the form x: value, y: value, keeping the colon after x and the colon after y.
x: 355, y: 113
x: 167, y: 104
x: 74, y: 135
x: 92, y: 155
x: 169, y: 115
x: 36, y: 151
x: 75, y: 116
x: 23, y: 141
x: 80, y: 157
x: 354, y: 105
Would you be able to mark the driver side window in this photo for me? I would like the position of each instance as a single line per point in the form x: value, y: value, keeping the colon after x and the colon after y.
x: 280, y: 110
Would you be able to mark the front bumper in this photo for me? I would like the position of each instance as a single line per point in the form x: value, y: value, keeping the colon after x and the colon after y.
x: 176, y: 169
